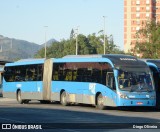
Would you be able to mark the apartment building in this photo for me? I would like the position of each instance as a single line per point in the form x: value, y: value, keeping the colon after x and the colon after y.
x: 136, y: 14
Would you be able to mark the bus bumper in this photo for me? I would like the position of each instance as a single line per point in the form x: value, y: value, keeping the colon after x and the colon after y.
x: 131, y: 102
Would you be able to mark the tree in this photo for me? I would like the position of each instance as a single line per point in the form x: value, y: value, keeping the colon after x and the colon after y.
x: 148, y: 41
x: 83, y: 45
x: 40, y: 53
x: 69, y: 47
x: 90, y: 44
x: 72, y: 34
x: 55, y: 50
x: 95, y: 43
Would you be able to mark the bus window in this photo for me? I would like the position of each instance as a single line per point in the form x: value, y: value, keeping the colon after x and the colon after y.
x: 68, y: 75
x: 55, y: 75
x: 81, y: 72
x: 23, y: 73
x: 74, y: 75
x: 110, y: 81
x: 155, y: 76
x: 124, y: 80
x: 39, y: 72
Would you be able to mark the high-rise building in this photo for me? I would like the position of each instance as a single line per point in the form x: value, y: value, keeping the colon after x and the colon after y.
x: 136, y: 14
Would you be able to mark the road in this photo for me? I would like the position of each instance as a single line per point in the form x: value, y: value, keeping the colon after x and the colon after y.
x: 81, y: 115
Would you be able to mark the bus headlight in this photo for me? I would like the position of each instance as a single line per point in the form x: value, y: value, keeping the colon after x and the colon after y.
x: 124, y: 96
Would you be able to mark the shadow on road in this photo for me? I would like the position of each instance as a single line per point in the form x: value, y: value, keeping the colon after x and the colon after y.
x: 56, y: 117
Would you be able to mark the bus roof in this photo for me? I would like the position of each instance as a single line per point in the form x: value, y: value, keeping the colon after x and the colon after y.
x: 154, y: 61
x: 125, y: 60
x: 116, y: 59
x: 83, y: 56
x: 26, y: 61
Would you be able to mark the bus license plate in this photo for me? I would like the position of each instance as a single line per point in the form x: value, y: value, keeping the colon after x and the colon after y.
x: 139, y: 103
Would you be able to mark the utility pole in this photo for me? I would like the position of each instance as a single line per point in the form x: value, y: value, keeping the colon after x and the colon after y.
x: 77, y: 40
x: 45, y: 48
x: 104, y: 17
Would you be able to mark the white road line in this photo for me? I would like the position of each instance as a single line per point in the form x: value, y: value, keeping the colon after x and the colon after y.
x: 11, y: 120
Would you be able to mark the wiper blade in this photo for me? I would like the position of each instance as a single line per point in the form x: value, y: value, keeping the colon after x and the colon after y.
x: 148, y: 89
x: 131, y: 88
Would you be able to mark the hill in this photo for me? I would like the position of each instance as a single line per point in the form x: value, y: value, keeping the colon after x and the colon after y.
x: 12, y: 49
x: 49, y: 42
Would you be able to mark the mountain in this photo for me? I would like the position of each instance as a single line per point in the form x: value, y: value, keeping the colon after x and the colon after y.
x: 49, y: 42
x: 12, y: 49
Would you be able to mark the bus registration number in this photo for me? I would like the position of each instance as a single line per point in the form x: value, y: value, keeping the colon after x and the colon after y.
x: 139, y: 103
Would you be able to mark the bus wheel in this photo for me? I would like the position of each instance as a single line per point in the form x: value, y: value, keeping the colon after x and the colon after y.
x: 100, y: 102
x: 64, y: 99
x: 19, y: 99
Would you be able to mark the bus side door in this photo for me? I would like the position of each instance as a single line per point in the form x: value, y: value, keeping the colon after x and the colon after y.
x: 110, y: 82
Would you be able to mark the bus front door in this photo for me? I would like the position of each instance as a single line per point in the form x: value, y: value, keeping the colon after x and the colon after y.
x: 110, y: 82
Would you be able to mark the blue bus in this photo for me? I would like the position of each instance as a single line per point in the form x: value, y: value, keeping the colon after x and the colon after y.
x: 100, y: 80
x: 154, y: 65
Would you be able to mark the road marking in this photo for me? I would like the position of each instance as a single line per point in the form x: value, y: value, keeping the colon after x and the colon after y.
x: 12, y: 120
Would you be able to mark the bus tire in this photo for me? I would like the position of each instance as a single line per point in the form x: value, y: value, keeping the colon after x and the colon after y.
x: 100, y: 103
x: 19, y: 99
x: 64, y: 99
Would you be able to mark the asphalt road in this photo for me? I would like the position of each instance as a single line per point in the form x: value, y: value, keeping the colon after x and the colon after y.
x: 54, y: 115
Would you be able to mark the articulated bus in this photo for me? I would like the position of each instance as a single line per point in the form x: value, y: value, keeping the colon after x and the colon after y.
x: 154, y: 65
x: 100, y: 80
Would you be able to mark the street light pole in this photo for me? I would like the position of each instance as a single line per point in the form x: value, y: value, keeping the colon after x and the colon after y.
x: 45, y: 48
x: 104, y: 17
x: 77, y: 41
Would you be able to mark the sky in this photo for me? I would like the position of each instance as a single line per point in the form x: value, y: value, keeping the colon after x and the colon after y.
x: 26, y: 19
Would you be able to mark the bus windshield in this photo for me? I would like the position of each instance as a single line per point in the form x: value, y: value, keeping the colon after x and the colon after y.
x: 135, y: 79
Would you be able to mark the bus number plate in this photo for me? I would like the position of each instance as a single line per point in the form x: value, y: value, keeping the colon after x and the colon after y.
x: 139, y: 103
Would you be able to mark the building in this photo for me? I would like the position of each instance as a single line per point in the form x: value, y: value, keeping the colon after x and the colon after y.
x: 136, y: 14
